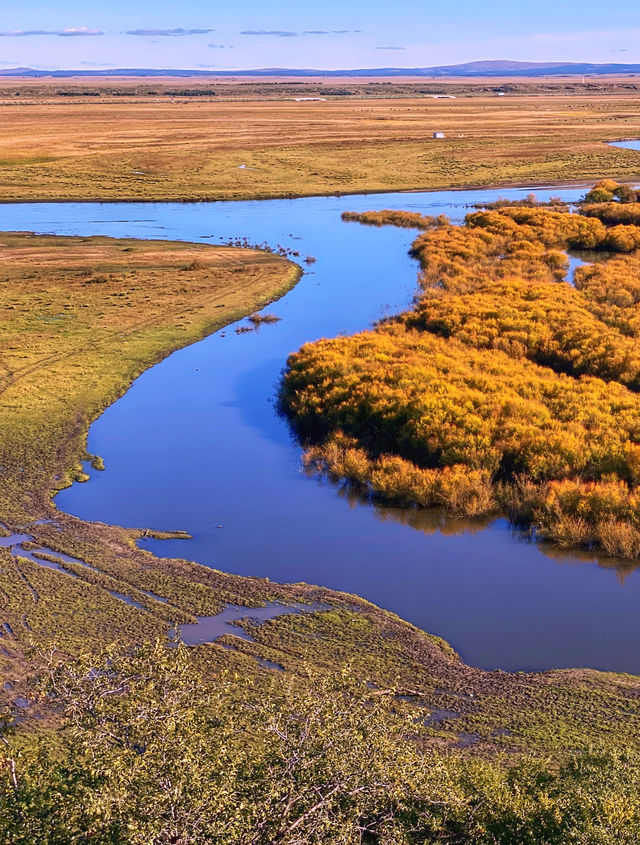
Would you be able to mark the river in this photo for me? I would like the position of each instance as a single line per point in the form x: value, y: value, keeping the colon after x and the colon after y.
x: 196, y: 444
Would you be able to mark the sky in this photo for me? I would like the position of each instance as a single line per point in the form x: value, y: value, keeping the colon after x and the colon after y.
x: 334, y: 34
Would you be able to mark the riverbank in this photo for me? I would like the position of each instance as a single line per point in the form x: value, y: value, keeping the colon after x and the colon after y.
x: 82, y: 317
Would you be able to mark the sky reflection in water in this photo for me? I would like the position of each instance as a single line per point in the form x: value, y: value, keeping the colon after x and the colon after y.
x: 196, y: 444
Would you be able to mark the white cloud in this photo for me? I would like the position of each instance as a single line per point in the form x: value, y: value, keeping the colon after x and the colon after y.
x: 280, y: 33
x: 168, y: 32
x: 22, y: 33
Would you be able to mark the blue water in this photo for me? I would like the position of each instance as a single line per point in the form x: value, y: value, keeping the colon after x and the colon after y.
x: 627, y: 145
x: 195, y: 444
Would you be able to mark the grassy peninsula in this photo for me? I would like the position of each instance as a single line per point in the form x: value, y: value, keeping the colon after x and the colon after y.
x: 81, y: 318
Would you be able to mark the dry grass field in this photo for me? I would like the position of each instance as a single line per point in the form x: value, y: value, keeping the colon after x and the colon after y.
x: 191, y: 148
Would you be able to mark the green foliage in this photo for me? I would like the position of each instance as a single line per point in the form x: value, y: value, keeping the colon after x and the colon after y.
x: 598, y: 195
x: 156, y: 753
x: 625, y: 193
x: 602, y: 191
x: 606, y: 191
x: 152, y: 752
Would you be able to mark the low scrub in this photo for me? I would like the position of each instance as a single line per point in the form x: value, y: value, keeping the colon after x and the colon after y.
x: 619, y: 539
x: 392, y: 479
x: 151, y: 751
x: 401, y: 219
x: 504, y: 384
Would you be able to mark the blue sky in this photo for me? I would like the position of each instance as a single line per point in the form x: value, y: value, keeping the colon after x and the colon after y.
x: 243, y: 34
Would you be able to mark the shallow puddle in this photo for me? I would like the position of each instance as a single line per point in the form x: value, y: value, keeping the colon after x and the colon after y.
x: 210, y: 628
x: 15, y: 544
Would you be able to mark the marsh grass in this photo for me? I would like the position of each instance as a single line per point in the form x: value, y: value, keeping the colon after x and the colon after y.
x: 387, y: 217
x: 619, y: 539
x: 503, y: 387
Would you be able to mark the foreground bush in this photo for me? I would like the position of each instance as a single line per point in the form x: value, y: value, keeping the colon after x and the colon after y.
x: 152, y: 752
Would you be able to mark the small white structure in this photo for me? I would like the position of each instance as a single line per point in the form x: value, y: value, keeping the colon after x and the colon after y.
x: 438, y: 134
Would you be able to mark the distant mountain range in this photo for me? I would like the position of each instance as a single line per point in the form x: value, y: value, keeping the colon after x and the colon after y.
x: 498, y: 68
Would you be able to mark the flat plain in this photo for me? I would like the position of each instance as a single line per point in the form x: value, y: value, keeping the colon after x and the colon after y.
x: 191, y: 140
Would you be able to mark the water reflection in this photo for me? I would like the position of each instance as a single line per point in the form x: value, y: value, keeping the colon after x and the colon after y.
x: 582, y: 258
x: 439, y: 521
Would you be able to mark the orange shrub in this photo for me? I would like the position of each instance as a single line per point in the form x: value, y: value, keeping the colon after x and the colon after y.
x: 503, y: 385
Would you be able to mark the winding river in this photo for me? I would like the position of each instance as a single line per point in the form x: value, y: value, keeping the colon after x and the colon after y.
x: 196, y: 444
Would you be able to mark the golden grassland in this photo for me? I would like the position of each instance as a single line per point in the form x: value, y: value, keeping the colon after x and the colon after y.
x: 504, y: 388
x: 193, y: 148
x: 80, y: 318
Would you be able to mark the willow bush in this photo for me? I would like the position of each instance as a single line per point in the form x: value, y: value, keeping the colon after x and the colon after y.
x: 505, y: 387
x: 152, y: 752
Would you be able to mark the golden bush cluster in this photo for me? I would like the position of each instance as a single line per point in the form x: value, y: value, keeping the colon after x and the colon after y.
x: 390, y: 217
x: 504, y: 388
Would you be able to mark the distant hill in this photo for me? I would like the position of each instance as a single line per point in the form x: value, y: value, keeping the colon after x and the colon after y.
x: 495, y: 68
x: 512, y: 68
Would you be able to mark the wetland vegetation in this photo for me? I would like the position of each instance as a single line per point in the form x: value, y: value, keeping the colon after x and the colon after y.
x: 151, y: 749
x: 492, y: 756
x: 375, y: 731
x: 504, y: 388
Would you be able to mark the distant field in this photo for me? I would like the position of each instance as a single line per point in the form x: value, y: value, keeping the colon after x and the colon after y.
x: 135, y: 143
x: 274, y: 87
